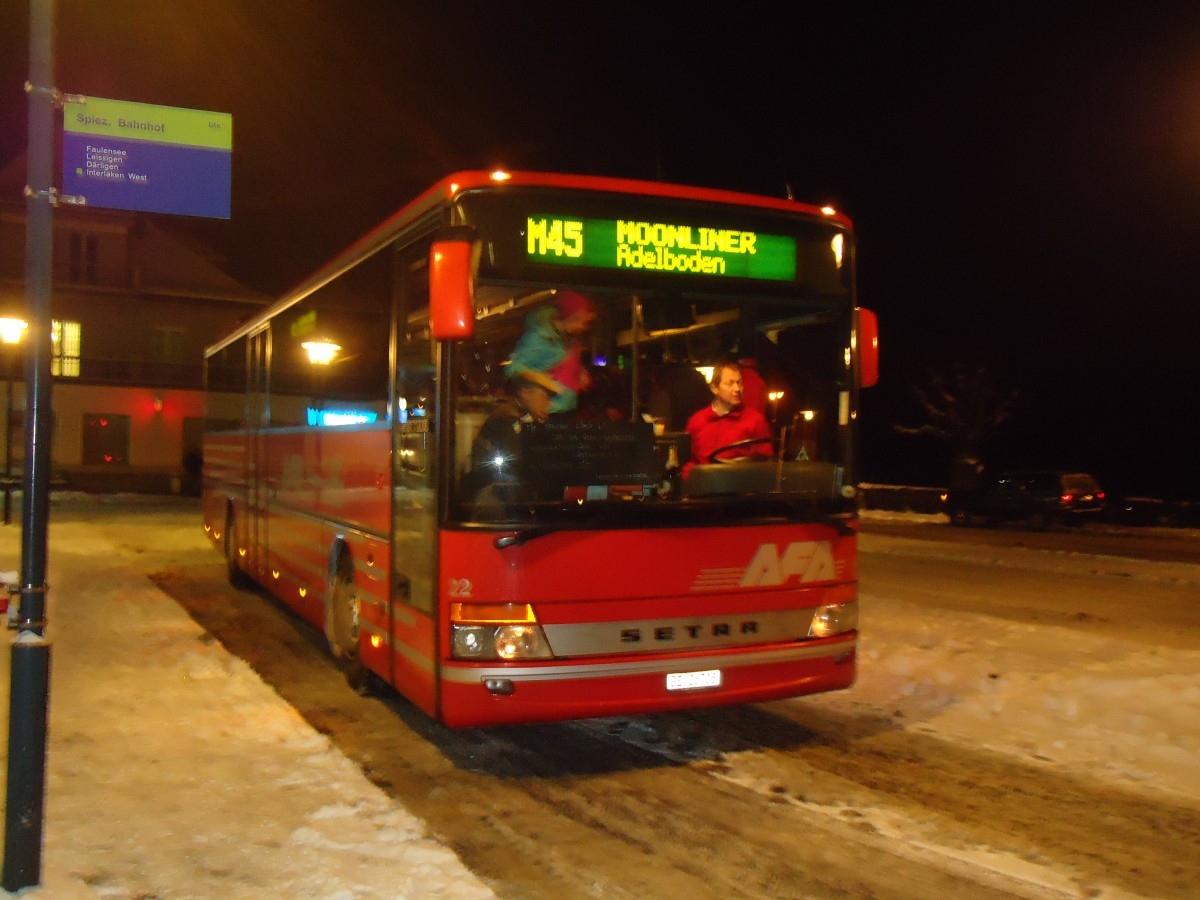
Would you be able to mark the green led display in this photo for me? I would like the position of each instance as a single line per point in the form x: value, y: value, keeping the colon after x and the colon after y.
x: 660, y: 247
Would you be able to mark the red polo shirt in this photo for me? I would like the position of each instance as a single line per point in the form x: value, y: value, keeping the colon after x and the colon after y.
x: 710, y: 431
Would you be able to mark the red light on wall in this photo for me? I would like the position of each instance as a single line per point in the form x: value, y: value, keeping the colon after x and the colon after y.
x: 104, y: 423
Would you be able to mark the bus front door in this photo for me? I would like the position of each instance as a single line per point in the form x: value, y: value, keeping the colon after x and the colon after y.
x: 258, y: 487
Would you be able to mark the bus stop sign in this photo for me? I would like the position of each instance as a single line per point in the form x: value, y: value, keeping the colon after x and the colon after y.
x: 138, y: 156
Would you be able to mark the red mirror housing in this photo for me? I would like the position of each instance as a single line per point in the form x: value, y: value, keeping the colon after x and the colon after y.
x: 453, y: 260
x: 866, y: 331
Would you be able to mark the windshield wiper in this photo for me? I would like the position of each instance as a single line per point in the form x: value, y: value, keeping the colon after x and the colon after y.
x: 525, y: 536
x: 610, y: 516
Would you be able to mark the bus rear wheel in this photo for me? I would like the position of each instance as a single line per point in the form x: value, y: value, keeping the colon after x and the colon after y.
x: 341, y: 626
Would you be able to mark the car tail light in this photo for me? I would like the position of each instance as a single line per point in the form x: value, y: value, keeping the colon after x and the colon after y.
x: 1066, y: 498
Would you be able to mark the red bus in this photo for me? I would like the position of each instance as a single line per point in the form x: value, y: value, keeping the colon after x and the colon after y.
x: 575, y: 573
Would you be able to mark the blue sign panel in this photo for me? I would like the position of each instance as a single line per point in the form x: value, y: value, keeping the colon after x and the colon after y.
x: 135, y: 156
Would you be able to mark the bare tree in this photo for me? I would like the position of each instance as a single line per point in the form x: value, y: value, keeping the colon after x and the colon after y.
x: 963, y: 408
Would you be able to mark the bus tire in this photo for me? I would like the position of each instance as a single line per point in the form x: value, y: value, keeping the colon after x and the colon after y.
x: 341, y: 623
x: 237, y: 578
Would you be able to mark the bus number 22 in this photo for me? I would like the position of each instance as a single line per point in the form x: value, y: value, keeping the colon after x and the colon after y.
x: 460, y: 587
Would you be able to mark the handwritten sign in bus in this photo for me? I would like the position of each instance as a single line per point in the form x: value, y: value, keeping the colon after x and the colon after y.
x: 558, y: 455
x: 138, y: 156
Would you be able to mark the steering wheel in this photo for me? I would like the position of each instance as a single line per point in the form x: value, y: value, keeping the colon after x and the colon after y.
x: 746, y: 442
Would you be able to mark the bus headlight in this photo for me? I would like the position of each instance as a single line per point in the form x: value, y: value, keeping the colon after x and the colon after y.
x: 834, y: 618
x: 470, y: 641
x: 520, y: 642
x: 507, y: 642
x: 507, y: 631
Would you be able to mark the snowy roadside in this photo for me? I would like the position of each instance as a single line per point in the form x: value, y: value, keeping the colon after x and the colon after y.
x: 1030, y: 557
x: 1112, y: 708
x: 174, y: 771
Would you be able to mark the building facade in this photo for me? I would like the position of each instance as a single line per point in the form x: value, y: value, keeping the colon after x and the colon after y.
x: 133, y: 307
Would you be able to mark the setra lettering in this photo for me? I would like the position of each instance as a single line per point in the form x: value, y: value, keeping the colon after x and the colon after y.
x: 673, y: 633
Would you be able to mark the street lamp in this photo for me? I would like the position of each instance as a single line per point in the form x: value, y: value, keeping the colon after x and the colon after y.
x: 12, y: 332
x: 322, y: 352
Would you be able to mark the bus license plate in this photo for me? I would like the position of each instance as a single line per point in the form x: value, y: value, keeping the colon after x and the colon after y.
x: 687, y: 681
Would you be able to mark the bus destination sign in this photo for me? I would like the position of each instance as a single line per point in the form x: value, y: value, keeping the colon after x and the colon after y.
x: 138, y: 156
x: 660, y: 247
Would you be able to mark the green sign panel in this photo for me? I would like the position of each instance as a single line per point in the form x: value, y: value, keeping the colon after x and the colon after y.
x: 660, y: 247
x: 147, y: 122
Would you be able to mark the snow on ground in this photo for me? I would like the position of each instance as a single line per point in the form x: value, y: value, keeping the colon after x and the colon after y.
x: 175, y: 772
x: 1116, y: 708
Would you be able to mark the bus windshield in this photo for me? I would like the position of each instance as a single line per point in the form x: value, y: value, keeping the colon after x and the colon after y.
x: 575, y: 400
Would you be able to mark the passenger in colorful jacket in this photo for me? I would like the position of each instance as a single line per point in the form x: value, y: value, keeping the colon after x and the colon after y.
x: 549, y: 351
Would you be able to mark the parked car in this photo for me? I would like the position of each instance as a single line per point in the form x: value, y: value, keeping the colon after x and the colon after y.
x: 1038, y: 498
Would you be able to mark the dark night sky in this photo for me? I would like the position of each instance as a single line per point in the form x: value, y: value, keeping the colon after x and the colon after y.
x: 1026, y: 185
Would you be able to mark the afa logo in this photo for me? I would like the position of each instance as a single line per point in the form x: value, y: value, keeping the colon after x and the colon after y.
x: 802, y: 561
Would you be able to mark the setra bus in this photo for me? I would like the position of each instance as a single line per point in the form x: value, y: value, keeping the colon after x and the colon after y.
x: 576, y: 572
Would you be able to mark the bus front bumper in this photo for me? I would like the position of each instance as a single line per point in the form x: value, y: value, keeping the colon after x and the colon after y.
x: 475, y: 695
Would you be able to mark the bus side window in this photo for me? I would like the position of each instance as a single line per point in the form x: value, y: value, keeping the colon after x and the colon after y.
x: 417, y: 424
x: 416, y: 382
x: 328, y: 351
x: 225, y: 376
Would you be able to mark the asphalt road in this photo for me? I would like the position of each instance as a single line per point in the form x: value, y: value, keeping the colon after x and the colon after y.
x: 1154, y: 544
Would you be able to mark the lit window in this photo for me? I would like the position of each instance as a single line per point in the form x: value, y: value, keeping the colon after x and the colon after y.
x: 66, y: 340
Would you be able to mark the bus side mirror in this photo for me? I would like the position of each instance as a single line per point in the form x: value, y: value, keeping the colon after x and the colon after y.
x: 453, y: 260
x: 866, y: 331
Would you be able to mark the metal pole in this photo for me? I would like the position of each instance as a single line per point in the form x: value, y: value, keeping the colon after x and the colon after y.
x: 8, y: 414
x: 30, y: 686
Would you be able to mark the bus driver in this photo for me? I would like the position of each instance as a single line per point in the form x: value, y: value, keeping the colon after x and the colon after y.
x: 726, y: 420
